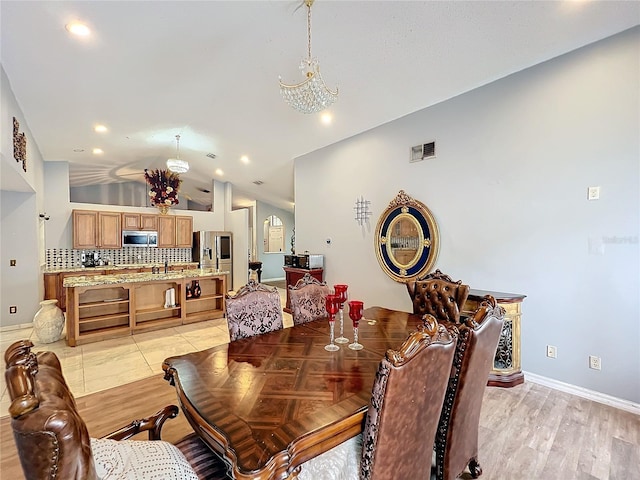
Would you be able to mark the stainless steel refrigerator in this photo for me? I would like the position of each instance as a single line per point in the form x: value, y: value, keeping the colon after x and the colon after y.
x: 214, y: 250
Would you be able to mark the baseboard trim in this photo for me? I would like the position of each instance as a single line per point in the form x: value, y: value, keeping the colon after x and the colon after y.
x: 9, y: 328
x: 615, y: 402
x: 262, y: 280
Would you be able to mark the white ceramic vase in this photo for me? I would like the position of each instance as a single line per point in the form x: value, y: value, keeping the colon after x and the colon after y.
x: 48, y: 322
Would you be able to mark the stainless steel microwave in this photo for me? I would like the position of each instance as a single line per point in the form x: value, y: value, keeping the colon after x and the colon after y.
x: 139, y: 239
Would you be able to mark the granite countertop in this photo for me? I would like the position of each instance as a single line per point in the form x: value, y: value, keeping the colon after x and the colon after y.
x: 90, y: 281
x: 88, y: 270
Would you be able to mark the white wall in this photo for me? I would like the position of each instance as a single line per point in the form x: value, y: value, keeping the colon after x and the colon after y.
x: 509, y: 191
x: 272, y: 263
x: 237, y: 222
x: 21, y: 230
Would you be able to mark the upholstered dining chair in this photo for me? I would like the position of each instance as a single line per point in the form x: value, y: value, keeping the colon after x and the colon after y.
x: 53, y: 441
x: 307, y: 299
x: 438, y: 295
x: 400, y: 426
x: 253, y: 310
x: 457, y: 437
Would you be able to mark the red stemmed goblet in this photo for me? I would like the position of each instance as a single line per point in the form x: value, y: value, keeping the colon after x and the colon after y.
x: 356, y: 308
x: 331, y: 303
x: 341, y: 293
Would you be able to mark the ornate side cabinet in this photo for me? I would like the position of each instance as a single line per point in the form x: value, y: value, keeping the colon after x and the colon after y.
x: 507, y: 366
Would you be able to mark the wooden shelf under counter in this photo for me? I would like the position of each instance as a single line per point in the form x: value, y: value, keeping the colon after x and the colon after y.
x: 97, y: 311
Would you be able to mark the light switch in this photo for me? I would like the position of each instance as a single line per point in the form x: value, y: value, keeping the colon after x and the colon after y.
x: 593, y: 193
x: 12, y: 263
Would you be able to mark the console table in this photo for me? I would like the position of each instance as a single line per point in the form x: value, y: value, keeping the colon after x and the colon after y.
x: 292, y: 275
x: 506, y: 370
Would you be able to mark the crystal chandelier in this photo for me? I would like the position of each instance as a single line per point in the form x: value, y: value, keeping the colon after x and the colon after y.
x: 175, y: 164
x: 312, y: 95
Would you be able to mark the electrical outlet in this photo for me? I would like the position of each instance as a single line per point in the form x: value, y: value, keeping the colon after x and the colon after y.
x: 595, y: 362
x: 593, y: 193
x: 12, y: 263
x: 551, y: 351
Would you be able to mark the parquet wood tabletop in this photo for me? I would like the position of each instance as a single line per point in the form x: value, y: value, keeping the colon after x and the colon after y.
x: 271, y: 402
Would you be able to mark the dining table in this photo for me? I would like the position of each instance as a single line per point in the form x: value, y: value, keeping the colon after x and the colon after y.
x: 268, y: 403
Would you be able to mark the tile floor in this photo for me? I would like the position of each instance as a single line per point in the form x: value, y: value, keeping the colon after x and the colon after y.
x: 98, y: 366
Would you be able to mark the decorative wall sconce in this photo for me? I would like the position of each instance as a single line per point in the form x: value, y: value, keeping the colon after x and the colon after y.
x: 362, y: 210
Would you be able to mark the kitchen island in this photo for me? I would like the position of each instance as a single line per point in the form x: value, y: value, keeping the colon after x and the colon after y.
x: 108, y: 306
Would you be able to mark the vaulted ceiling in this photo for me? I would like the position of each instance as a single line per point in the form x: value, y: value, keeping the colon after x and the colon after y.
x: 208, y: 71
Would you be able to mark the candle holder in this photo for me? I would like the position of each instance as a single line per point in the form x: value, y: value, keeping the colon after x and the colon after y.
x: 356, y: 308
x: 341, y: 294
x: 331, y: 303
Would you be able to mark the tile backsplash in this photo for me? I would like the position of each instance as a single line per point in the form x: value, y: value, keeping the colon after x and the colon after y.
x: 69, y: 258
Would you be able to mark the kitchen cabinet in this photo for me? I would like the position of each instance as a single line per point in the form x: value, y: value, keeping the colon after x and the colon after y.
x: 53, y: 282
x: 109, y: 230
x: 102, y: 308
x: 140, y: 221
x: 166, y: 231
x: 93, y: 229
x: 85, y: 229
x: 184, y: 231
x: 175, y: 231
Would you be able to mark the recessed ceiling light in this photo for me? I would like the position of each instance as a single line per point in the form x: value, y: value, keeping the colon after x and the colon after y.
x: 219, y: 172
x: 77, y: 28
x: 100, y: 128
x: 244, y: 159
x: 326, y: 118
x: 97, y: 151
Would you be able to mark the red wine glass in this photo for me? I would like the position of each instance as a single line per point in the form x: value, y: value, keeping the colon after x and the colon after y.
x: 331, y: 303
x: 341, y: 293
x: 356, y: 309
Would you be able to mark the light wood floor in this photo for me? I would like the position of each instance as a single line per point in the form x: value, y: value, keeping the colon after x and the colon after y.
x: 526, y: 432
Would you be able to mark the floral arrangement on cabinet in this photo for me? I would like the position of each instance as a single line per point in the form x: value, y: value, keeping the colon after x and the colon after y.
x: 164, y: 187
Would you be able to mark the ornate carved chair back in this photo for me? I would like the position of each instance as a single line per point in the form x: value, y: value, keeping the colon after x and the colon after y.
x: 403, y: 414
x: 401, y: 422
x: 438, y: 295
x: 255, y: 309
x: 307, y: 299
x: 457, y: 436
x: 53, y: 441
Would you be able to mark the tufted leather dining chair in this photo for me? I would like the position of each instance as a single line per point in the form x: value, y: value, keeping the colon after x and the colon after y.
x: 53, y: 441
x: 254, y: 309
x: 457, y: 436
x: 307, y: 299
x: 400, y: 426
x: 438, y: 295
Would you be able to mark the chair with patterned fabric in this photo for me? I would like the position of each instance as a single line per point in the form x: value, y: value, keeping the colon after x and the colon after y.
x: 438, y: 295
x: 400, y: 427
x: 254, y: 309
x: 307, y: 299
x: 457, y: 437
x: 53, y: 441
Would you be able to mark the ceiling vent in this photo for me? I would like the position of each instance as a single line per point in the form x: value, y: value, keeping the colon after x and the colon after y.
x: 422, y: 152
x: 211, y: 155
x: 258, y: 182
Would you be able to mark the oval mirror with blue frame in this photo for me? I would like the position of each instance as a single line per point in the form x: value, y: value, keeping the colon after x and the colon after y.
x: 407, y: 239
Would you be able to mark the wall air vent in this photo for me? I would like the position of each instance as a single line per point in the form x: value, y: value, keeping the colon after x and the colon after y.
x: 422, y: 152
x: 258, y: 182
